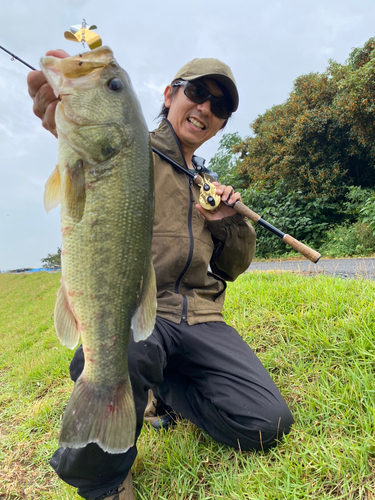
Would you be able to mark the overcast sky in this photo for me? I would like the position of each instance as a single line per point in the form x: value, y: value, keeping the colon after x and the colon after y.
x: 267, y: 43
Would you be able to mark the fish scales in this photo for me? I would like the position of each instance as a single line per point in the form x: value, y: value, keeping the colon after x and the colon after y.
x: 104, y: 181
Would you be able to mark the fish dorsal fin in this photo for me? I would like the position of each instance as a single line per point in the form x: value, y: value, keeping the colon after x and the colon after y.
x: 52, y: 191
x: 65, y: 322
x: 143, y: 320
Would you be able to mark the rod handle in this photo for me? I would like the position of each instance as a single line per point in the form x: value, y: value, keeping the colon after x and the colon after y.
x: 308, y: 252
x: 246, y: 211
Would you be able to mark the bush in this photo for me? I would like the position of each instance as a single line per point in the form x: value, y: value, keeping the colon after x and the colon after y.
x: 350, y: 224
x: 346, y: 240
x: 367, y: 212
x: 305, y: 220
x: 355, y: 199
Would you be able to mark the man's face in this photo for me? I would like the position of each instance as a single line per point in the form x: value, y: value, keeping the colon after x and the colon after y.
x: 193, y: 123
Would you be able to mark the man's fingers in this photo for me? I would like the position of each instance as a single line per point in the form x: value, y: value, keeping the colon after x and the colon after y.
x: 43, y: 98
x: 48, y: 119
x: 206, y: 214
x: 227, y: 194
x: 35, y: 79
x: 61, y: 54
x: 233, y: 198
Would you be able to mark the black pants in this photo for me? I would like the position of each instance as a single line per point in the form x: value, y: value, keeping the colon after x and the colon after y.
x: 207, y: 373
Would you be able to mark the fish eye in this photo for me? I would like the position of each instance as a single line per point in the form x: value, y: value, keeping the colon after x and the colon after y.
x: 115, y: 84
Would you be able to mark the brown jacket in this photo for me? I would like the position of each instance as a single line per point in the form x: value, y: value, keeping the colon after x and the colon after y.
x: 184, y: 244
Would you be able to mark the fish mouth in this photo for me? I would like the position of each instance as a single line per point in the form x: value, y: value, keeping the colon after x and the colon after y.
x: 82, y: 70
x: 197, y: 123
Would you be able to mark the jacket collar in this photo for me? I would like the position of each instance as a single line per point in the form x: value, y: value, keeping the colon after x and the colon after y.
x: 165, y: 140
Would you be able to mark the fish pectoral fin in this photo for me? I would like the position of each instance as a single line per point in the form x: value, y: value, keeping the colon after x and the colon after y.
x: 100, y: 414
x: 65, y: 323
x: 143, y: 320
x: 52, y: 191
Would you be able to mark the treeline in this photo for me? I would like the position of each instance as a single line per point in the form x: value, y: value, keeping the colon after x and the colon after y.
x: 309, y: 167
x: 53, y: 260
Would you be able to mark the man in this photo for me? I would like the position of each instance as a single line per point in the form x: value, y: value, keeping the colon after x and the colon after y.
x: 194, y: 362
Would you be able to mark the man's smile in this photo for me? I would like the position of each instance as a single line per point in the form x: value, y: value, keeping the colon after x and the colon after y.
x: 197, y: 123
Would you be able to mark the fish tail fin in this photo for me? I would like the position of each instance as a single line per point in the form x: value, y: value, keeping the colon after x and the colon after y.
x: 143, y: 320
x: 99, y: 414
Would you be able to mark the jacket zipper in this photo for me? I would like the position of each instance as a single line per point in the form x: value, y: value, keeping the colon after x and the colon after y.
x: 190, y: 230
x: 190, y: 255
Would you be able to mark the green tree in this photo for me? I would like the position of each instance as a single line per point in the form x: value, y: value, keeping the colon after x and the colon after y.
x: 225, y: 161
x: 53, y: 260
x: 320, y: 141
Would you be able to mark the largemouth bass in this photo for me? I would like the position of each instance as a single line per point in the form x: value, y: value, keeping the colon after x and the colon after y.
x: 104, y: 181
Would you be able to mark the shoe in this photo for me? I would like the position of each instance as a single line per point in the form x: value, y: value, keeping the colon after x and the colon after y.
x: 124, y: 492
x: 158, y: 414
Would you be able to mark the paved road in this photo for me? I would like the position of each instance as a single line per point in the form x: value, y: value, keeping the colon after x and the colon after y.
x: 343, y: 268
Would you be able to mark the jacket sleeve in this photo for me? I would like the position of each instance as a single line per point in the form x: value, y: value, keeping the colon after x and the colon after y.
x: 234, y: 246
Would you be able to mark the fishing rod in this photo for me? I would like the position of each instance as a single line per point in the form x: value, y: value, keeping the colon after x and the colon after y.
x: 209, y: 200
x: 18, y: 58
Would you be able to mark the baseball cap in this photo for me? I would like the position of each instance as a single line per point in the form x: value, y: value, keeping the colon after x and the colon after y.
x: 211, y: 68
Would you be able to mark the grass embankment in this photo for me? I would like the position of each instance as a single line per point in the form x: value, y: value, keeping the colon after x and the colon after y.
x: 315, y: 335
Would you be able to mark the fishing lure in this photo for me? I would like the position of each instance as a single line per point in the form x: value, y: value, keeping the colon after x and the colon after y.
x: 84, y: 35
x: 77, y: 33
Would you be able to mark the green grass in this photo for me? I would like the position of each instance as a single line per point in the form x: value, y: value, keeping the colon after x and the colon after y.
x: 316, y: 336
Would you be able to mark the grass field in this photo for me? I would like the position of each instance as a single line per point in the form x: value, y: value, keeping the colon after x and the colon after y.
x: 315, y: 335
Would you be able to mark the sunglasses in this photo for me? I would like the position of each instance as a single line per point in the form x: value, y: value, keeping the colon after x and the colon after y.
x: 197, y: 92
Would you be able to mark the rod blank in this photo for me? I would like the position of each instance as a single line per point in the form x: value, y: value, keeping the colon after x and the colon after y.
x: 18, y: 59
